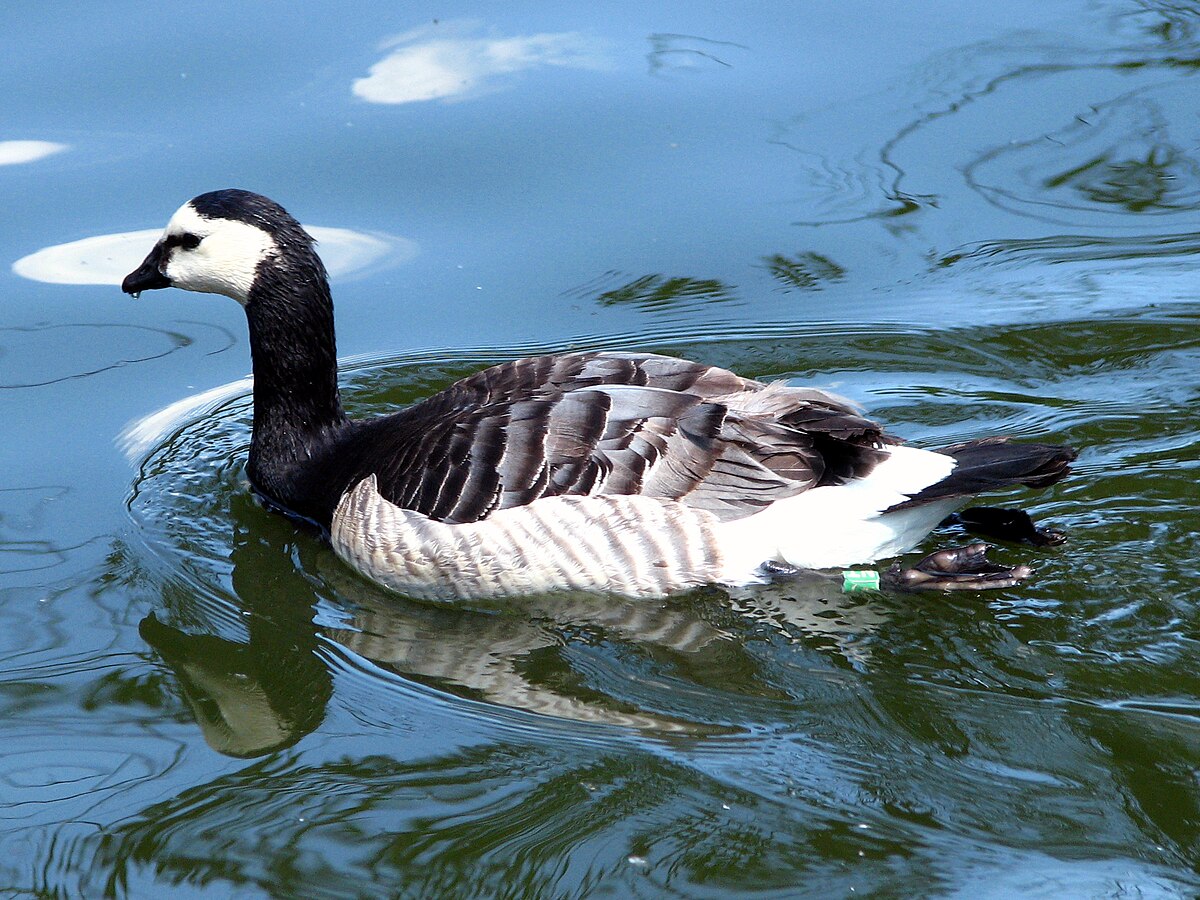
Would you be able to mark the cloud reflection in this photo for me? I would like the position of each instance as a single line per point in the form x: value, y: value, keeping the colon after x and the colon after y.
x: 14, y: 153
x: 107, y: 258
x: 422, y: 66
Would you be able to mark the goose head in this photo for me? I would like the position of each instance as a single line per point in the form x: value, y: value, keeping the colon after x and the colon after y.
x: 219, y: 243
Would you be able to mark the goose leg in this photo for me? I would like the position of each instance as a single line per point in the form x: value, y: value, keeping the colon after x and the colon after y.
x: 956, y: 569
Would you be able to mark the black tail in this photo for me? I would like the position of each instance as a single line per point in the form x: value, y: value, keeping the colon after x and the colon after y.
x: 991, y: 463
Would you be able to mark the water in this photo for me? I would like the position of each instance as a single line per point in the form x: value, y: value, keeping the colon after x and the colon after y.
x: 973, y: 221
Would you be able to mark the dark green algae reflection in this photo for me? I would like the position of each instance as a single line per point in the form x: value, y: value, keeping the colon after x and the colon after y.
x: 711, y: 743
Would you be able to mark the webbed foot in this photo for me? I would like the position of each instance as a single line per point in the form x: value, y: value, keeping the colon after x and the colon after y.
x: 957, y: 569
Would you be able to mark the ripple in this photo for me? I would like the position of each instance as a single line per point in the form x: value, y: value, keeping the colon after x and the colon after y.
x: 64, y: 777
x: 1087, y: 129
x: 49, y: 774
x: 33, y: 539
x: 45, y: 772
x: 1185, y: 708
x: 673, y: 54
x: 108, y: 258
x: 1114, y: 160
x: 899, y: 731
x: 1067, y: 248
x: 593, y: 673
x: 452, y: 825
x: 35, y: 351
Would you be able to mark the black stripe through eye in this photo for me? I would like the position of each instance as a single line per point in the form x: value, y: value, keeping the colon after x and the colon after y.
x: 187, y: 241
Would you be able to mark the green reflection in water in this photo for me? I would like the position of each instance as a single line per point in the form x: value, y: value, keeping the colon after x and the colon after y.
x: 653, y: 292
x: 806, y: 271
x: 1137, y: 185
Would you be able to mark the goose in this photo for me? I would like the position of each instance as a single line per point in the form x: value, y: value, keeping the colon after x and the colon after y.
x: 629, y: 473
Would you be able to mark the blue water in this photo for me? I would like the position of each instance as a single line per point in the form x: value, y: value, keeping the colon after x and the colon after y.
x: 971, y: 220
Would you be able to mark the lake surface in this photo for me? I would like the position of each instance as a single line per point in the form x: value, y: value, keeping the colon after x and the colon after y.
x: 974, y: 220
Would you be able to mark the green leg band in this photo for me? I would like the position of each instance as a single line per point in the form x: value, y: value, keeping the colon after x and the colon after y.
x: 859, y: 580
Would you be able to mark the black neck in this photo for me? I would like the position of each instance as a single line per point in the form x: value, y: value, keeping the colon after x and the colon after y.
x: 294, y: 352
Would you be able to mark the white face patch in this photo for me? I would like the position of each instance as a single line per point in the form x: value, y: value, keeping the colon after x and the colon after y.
x: 223, y: 262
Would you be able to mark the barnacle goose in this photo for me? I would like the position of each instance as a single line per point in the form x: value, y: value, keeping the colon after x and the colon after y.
x: 629, y: 473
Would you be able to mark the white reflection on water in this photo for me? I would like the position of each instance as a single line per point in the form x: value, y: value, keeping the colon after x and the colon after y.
x: 15, y: 152
x: 107, y: 258
x: 438, y: 62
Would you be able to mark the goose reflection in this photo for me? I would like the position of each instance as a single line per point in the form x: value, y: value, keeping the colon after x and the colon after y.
x: 258, y: 695
x: 520, y: 656
x: 255, y: 696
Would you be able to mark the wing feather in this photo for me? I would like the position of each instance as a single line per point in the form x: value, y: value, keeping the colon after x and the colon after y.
x: 609, y: 423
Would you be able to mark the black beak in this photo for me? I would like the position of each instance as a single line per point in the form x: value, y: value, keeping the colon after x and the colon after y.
x: 147, y: 277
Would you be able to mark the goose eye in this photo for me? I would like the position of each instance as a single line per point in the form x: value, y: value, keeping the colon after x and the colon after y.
x: 189, y: 241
